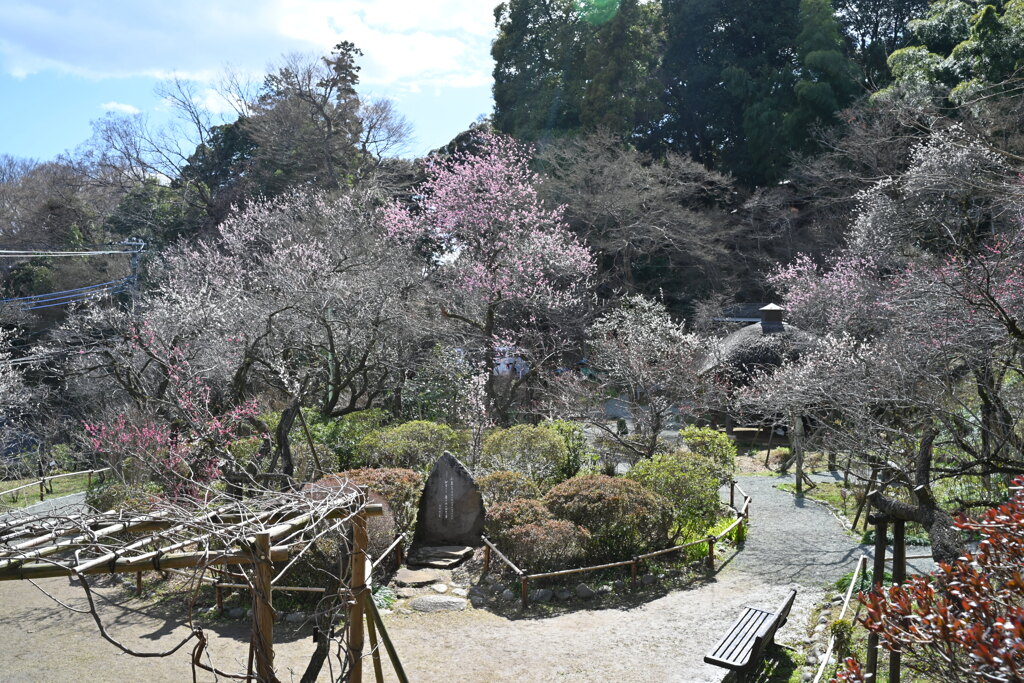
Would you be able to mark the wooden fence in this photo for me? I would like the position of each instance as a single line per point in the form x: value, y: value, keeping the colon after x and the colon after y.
x: 43, y: 481
x: 738, y: 528
x: 862, y: 564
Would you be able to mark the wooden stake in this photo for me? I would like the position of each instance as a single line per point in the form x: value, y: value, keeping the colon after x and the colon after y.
x: 263, y: 610
x: 633, y: 571
x: 899, y: 575
x: 388, y: 645
x: 487, y: 558
x: 871, y: 672
x: 358, y: 587
x: 711, y: 553
x: 371, y: 630
x: 138, y: 584
x: 524, y: 589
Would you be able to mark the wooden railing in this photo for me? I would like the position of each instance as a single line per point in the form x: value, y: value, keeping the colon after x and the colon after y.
x: 43, y: 481
x: 738, y: 528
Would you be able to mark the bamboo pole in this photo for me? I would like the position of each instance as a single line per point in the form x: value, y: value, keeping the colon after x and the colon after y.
x: 371, y: 630
x: 388, y: 645
x: 502, y: 557
x: 358, y: 587
x: 46, y: 570
x: 263, y: 610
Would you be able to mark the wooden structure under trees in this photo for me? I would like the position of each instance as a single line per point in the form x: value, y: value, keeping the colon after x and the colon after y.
x: 257, y: 537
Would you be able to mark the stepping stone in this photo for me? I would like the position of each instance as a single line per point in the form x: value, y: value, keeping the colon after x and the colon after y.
x: 417, y: 577
x: 439, y: 588
x: 438, y: 603
x: 439, y: 557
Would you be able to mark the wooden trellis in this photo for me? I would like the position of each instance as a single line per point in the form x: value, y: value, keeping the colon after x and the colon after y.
x: 257, y: 533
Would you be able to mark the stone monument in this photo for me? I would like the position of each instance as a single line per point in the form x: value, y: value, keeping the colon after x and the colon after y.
x: 451, y: 516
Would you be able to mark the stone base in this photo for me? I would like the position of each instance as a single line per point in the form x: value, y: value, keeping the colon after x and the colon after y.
x: 439, y: 557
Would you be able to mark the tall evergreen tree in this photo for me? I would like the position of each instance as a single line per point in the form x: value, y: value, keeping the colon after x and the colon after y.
x: 538, y: 67
x: 729, y: 71
x: 622, y: 62
x: 826, y: 81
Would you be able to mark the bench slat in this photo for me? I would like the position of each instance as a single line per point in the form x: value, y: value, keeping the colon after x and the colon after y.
x: 734, y: 649
x: 748, y: 636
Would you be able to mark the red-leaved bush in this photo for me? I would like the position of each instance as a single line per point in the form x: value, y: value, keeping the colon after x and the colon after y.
x: 964, y: 621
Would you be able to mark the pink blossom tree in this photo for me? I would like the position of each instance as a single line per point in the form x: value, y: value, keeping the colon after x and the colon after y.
x: 507, y: 271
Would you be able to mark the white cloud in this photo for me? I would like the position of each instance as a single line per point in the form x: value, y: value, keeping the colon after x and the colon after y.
x: 408, y: 44
x: 120, y: 107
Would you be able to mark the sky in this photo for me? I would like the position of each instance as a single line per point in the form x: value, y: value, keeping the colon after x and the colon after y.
x: 65, y: 63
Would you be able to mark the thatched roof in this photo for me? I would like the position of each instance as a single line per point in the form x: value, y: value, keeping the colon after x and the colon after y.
x: 761, y: 345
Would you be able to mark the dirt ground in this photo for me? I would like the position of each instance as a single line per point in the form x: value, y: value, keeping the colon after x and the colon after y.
x: 43, y: 642
x: 658, y: 637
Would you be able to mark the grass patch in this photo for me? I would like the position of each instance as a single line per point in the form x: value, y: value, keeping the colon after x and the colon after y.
x: 54, y: 489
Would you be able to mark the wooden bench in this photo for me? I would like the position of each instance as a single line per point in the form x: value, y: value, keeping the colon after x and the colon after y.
x: 743, y: 646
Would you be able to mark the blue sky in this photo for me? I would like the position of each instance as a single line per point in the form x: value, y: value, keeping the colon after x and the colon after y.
x: 64, y: 63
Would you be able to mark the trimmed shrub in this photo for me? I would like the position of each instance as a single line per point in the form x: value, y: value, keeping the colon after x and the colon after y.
x: 689, y: 482
x: 505, y: 516
x: 400, y: 488
x: 342, y: 435
x: 577, y: 452
x: 622, y: 516
x: 714, y: 445
x: 548, y: 545
x: 412, y: 445
x: 501, y: 487
x: 537, y: 452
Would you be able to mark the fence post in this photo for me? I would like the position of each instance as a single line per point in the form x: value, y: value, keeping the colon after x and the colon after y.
x: 218, y: 593
x: 711, y: 553
x: 732, y: 494
x: 524, y: 587
x: 42, y: 487
x: 263, y: 610
x: 358, y: 588
x: 487, y: 558
x: 633, y: 571
x: 138, y: 584
x: 398, y: 551
x: 89, y: 483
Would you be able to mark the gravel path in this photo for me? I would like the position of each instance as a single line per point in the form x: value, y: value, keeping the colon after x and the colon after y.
x: 792, y: 543
x: 69, y: 504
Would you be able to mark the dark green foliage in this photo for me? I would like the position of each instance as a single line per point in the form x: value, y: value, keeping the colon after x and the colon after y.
x: 538, y: 452
x: 413, y: 445
x: 501, y: 487
x: 622, y: 516
x: 341, y: 436
x: 961, y: 51
x: 729, y: 70
x: 874, y: 29
x: 622, y: 61
x: 690, y: 482
x: 538, y: 67
x: 563, y: 65
x: 157, y: 214
x: 577, y: 451
x: 827, y: 82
